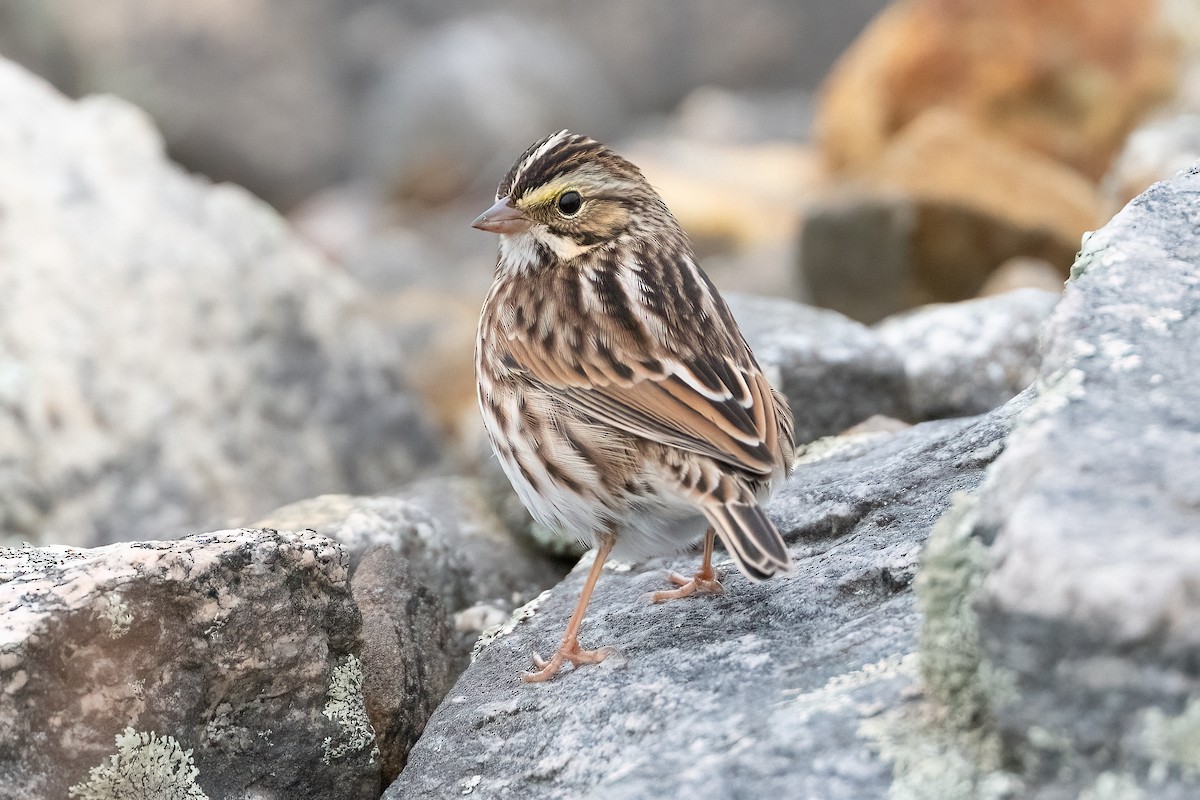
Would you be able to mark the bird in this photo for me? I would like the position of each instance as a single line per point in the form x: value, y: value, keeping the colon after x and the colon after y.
x: 617, y: 391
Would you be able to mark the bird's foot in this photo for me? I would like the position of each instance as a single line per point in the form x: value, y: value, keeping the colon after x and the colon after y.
x: 703, y: 582
x: 567, y: 651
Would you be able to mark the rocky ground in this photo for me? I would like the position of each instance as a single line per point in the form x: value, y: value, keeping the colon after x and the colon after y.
x: 994, y: 511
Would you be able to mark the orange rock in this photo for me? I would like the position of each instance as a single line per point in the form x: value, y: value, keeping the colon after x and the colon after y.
x: 981, y: 200
x: 1068, y: 78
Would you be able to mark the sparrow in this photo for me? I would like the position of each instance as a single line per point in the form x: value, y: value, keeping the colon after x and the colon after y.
x: 616, y: 389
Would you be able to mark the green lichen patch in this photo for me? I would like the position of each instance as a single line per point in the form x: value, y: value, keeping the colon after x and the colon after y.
x: 145, y: 766
x: 933, y: 759
x: 944, y: 745
x: 951, y: 571
x: 347, y: 708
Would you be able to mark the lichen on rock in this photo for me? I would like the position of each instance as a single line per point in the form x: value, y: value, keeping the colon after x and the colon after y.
x: 346, y: 707
x: 145, y: 766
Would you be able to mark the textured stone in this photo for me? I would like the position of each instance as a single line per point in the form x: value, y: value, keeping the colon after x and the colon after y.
x: 447, y: 533
x: 968, y: 358
x: 1091, y: 600
x: 170, y: 355
x: 361, y: 523
x: 409, y: 654
x: 504, y: 567
x: 1062, y: 627
x: 835, y: 372
x: 757, y: 692
x: 229, y: 658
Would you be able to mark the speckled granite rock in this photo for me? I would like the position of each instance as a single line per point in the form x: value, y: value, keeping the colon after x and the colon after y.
x: 968, y: 358
x: 755, y: 693
x: 222, y: 665
x: 171, y: 355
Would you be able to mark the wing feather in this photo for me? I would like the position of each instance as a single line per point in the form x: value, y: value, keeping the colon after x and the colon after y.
x: 706, y: 406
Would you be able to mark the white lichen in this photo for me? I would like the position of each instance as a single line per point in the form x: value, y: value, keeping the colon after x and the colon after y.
x: 145, y: 766
x: 508, y: 626
x: 117, y: 614
x: 346, y: 706
x: 837, y: 693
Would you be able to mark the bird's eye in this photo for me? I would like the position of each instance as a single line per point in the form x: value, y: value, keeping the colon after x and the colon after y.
x: 569, y: 203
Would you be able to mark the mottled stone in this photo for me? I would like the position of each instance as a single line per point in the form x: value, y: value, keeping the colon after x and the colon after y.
x: 229, y: 659
x: 409, y: 655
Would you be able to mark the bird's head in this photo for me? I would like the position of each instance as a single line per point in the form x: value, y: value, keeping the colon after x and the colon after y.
x: 566, y: 195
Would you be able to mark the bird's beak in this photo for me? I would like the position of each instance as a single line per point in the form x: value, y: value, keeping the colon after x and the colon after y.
x: 502, y: 218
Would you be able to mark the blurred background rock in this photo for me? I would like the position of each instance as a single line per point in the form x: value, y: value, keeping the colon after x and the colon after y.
x: 865, y: 156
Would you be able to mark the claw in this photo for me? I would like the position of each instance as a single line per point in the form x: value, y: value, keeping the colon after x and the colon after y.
x: 566, y: 652
x: 702, y: 583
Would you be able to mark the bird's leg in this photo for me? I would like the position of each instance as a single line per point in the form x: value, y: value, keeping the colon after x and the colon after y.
x: 704, y: 581
x: 569, y: 649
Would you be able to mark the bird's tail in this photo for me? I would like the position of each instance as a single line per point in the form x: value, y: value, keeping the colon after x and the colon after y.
x: 751, y: 538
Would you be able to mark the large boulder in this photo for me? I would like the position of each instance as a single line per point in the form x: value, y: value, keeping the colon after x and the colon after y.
x: 220, y: 665
x: 1076, y: 624
x: 173, y: 357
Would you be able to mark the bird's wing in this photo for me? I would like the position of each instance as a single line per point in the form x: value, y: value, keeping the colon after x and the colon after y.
x: 718, y: 406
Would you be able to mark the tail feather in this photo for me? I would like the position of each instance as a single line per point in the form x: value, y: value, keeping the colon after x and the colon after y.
x: 751, y: 538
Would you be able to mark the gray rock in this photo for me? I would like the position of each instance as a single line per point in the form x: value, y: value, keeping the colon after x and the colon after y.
x: 967, y: 358
x: 224, y: 663
x: 409, y: 655
x: 504, y: 567
x: 429, y: 571
x: 759, y: 692
x: 359, y: 524
x: 288, y: 73
x: 449, y: 537
x: 170, y: 355
x: 834, y: 372
x: 1088, y: 601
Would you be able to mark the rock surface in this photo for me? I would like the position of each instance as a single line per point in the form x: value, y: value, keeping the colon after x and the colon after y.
x: 763, y: 686
x: 409, y: 654
x: 835, y: 372
x: 1058, y: 649
x: 170, y: 355
x: 221, y: 665
x: 968, y: 358
x: 1088, y: 599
